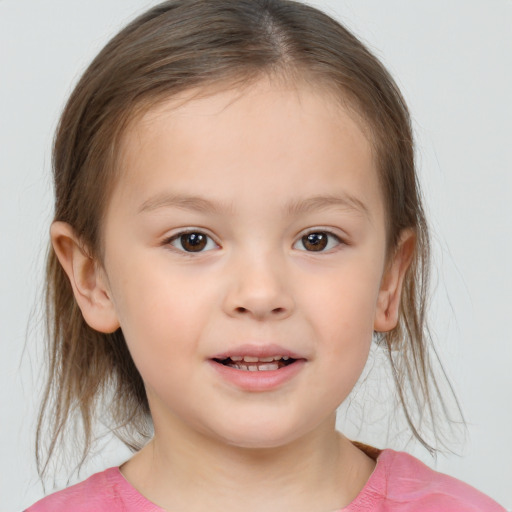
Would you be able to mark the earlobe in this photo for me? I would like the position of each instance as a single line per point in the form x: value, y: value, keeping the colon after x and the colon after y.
x: 87, y: 279
x: 388, y: 302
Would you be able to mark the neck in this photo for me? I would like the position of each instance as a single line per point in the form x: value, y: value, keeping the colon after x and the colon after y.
x: 321, y: 472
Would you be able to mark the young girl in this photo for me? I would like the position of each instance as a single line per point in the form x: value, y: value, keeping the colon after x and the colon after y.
x: 237, y: 217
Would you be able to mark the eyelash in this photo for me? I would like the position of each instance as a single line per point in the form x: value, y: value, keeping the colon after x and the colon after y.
x: 329, y: 237
x: 179, y: 236
x: 302, y: 240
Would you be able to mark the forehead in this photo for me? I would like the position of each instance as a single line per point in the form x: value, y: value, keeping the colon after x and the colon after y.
x: 217, y: 141
x: 315, y: 102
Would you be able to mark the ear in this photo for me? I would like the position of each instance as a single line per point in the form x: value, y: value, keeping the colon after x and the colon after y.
x: 388, y: 302
x: 87, y: 279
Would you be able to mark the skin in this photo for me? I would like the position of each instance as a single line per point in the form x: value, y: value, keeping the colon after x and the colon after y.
x: 259, y: 155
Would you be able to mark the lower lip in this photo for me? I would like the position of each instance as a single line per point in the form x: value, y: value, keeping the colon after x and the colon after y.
x: 265, y: 380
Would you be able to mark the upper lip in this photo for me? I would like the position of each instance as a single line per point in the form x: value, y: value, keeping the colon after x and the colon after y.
x: 257, y: 350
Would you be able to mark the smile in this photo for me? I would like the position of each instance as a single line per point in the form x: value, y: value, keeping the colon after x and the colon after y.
x: 255, y: 368
x: 256, y: 364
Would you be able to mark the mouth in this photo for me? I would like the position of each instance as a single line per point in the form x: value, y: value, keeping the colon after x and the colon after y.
x: 256, y: 364
x: 258, y: 368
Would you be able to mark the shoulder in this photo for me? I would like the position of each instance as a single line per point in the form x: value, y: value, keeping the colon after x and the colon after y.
x: 102, y: 492
x: 410, y: 482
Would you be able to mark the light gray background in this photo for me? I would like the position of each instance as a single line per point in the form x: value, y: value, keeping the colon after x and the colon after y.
x: 453, y: 61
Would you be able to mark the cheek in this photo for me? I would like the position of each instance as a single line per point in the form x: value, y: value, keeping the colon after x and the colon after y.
x: 167, y: 316
x: 158, y: 314
x: 344, y: 301
x: 342, y: 314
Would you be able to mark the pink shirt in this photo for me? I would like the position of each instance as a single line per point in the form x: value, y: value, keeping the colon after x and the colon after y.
x: 399, y: 483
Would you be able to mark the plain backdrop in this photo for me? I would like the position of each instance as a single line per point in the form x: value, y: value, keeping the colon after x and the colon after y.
x: 453, y: 61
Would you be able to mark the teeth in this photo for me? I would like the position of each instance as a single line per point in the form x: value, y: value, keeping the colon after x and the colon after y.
x: 252, y: 359
x: 256, y: 368
x: 272, y: 366
x: 247, y: 363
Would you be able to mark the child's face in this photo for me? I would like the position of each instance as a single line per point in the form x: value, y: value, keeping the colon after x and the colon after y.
x: 285, y: 256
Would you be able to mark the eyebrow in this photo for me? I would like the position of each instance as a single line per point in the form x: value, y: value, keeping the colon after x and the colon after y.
x: 301, y: 206
x: 184, y: 202
x: 323, y: 202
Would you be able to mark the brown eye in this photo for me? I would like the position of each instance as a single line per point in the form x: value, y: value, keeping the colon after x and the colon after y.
x: 318, y: 241
x: 193, y: 242
x: 315, y: 241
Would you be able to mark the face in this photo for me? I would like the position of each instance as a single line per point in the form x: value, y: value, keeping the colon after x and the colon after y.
x: 244, y: 259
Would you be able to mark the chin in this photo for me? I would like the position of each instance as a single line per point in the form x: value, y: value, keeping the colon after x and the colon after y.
x: 258, y: 436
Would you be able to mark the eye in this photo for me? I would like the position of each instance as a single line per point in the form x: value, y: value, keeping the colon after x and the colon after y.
x: 192, y: 241
x: 317, y: 241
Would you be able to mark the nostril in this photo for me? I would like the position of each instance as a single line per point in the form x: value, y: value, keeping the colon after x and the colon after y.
x: 260, y: 310
x: 278, y: 311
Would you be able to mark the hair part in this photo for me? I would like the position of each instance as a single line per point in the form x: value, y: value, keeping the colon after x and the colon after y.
x: 177, y: 46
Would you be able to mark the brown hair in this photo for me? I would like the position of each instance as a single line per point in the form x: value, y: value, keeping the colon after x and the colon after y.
x: 176, y: 46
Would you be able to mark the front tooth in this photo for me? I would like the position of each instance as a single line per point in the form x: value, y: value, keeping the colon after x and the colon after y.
x: 266, y: 359
x: 250, y: 359
x: 253, y: 368
x: 272, y: 366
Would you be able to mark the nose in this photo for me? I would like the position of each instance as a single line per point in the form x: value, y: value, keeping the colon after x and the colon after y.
x: 259, y: 289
